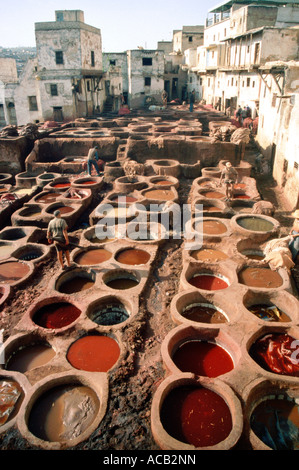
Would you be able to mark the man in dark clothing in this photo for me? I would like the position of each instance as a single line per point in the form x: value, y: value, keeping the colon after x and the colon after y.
x: 57, y: 232
x: 92, y: 160
x: 192, y: 100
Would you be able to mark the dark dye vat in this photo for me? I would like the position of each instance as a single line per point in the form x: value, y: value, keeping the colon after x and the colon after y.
x: 30, y: 357
x: 76, y: 284
x: 13, y: 271
x: 122, y: 283
x: 10, y: 394
x: 111, y: 314
x: 14, y: 234
x: 260, y: 277
x: 269, y: 313
x: 256, y: 255
x: 56, y: 315
x: 241, y: 196
x: 255, y: 224
x: 196, y: 416
x: 208, y: 282
x: 89, y: 182
x: 30, y: 255
x: 92, y: 257
x: 276, y: 352
x: 276, y: 423
x: 63, y: 413
x: 203, y: 313
x: 203, y: 358
x: 133, y: 256
x: 94, y: 353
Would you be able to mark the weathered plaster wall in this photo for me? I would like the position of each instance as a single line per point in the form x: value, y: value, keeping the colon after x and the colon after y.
x: 28, y: 87
x: 91, y: 42
x: 280, y: 43
x: 8, y: 70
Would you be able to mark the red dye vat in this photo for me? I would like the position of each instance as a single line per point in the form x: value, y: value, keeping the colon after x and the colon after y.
x: 87, y: 182
x: 61, y: 185
x: 196, y: 416
x: 208, y: 282
x: 94, y: 353
x: 277, y: 353
x: 203, y: 358
x: 241, y: 196
x: 57, y: 315
x: 64, y: 209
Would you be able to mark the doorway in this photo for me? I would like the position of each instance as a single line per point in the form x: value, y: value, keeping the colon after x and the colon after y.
x: 57, y: 114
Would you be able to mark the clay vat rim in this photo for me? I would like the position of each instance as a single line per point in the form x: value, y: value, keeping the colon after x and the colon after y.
x: 129, y: 305
x: 24, y: 385
x: 56, y: 298
x: 74, y: 273
x: 217, y: 386
x: 99, y: 387
x: 77, y: 251
x: 267, y: 218
x: 273, y: 297
x: 132, y: 247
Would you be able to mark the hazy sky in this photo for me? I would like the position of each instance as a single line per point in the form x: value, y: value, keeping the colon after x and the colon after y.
x: 124, y: 24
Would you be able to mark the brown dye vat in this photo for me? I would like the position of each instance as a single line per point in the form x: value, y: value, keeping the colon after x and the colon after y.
x: 122, y: 283
x: 208, y: 254
x: 30, y: 357
x: 13, y: 271
x: 213, y: 195
x: 159, y: 194
x: 133, y: 257
x: 10, y: 393
x: 162, y: 182
x: 76, y: 284
x: 63, y: 210
x: 94, y: 353
x: 210, y: 208
x: 196, y: 416
x: 92, y: 257
x: 276, y: 423
x: 124, y: 198
x: 63, y: 413
x: 260, y: 277
x: 48, y: 197
x: 269, y: 313
x: 213, y: 227
x: 203, y: 313
x: 56, y: 315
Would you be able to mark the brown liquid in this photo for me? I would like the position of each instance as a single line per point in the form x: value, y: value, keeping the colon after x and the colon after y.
x: 92, y: 257
x: 159, y: 194
x: 203, y: 313
x: 211, y: 208
x: 30, y: 357
x: 260, y: 277
x: 213, y: 195
x: 122, y: 284
x: 48, y: 197
x: 64, y: 209
x: 13, y: 271
x: 208, y: 255
x: 162, y: 182
x: 133, y: 257
x: 63, y: 412
x: 213, y: 227
x: 76, y: 284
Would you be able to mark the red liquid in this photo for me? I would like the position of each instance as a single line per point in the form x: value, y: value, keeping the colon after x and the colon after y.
x: 56, y: 315
x: 241, y: 196
x: 94, y: 353
x: 208, y: 282
x: 196, y: 416
x: 64, y: 209
x: 203, y: 358
x: 61, y: 185
x: 87, y: 182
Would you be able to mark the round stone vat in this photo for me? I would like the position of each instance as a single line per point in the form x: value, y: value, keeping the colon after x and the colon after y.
x: 94, y: 353
x: 274, y: 350
x: 212, y: 227
x: 100, y: 233
x: 203, y: 351
x: 157, y: 194
x: 28, y: 356
x: 113, y: 212
x: 91, y: 256
x: 128, y: 184
x: 123, y: 199
x: 164, y: 181
x: 259, y: 227
x: 11, y: 398
x: 277, y: 306
x: 13, y: 272
x: 211, y: 172
x: 54, y: 314
x: 119, y: 279
x: 47, y: 197
x: 204, y: 182
x: 59, y: 184
x: 167, y: 167
x: 109, y: 311
x: 240, y: 206
x: 93, y: 183
x: 65, y: 210
x: 63, y: 411
x: 5, y: 178
x: 45, y: 178
x: 262, y: 278
x: 211, y: 193
x: 13, y: 234
x: 25, y: 179
x: 76, y: 280
x: 5, y: 291
x: 190, y: 413
x: 211, y: 278
x: 75, y: 194
x: 30, y: 211
x: 132, y: 256
x: 32, y: 252
x: 146, y: 232
x: 271, y: 415
x: 193, y: 308
x: 249, y: 250
x: 208, y: 254
x: 209, y: 207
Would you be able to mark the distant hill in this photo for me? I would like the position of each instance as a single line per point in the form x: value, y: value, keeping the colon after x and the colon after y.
x: 20, y: 54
